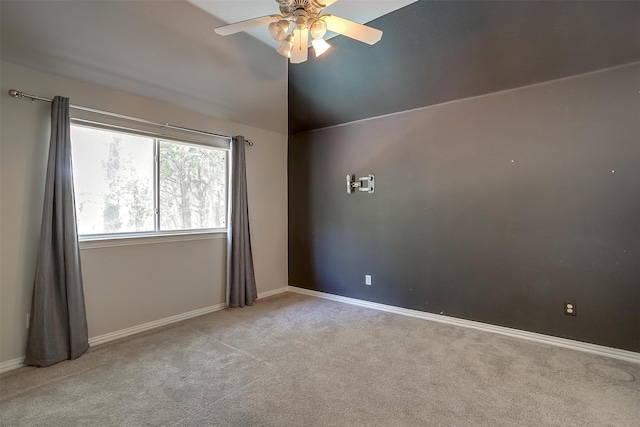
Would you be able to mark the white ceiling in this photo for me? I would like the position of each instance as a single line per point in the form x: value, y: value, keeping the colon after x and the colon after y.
x: 163, y: 50
x: 361, y: 11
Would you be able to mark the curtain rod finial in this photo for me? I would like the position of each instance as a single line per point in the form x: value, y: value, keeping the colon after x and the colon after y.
x: 14, y: 93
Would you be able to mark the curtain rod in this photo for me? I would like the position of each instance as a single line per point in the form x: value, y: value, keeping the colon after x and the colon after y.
x: 17, y: 94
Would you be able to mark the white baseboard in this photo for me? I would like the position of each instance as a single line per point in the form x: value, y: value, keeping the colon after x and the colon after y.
x: 272, y: 292
x: 112, y: 336
x: 12, y: 364
x: 628, y: 356
x: 101, y: 339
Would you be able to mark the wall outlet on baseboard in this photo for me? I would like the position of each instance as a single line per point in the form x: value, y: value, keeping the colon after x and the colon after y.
x: 367, y: 279
x: 570, y: 308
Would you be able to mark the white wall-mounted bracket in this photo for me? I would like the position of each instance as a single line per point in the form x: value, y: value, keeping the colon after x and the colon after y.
x: 364, y: 183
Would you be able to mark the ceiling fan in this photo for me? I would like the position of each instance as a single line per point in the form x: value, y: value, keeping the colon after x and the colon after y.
x: 300, y: 19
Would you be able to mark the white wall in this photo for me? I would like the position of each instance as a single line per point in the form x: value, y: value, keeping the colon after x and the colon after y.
x: 125, y: 286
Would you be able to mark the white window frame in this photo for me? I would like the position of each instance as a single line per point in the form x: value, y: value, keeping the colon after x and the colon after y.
x: 88, y: 241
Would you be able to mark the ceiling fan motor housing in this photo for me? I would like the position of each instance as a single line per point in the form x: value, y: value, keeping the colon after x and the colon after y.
x: 289, y: 7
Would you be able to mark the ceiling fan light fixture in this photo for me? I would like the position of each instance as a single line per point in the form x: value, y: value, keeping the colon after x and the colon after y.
x: 320, y: 46
x: 317, y: 28
x: 278, y: 30
x: 286, y: 47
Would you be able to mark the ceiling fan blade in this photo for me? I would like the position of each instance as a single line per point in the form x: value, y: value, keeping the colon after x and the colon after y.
x: 300, y: 51
x: 352, y: 29
x: 226, y: 30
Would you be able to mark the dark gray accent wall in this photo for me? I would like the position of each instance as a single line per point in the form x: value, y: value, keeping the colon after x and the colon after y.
x: 437, y: 51
x: 494, y: 209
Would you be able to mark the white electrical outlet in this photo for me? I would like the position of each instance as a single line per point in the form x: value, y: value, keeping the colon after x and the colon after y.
x: 570, y: 308
x: 367, y: 279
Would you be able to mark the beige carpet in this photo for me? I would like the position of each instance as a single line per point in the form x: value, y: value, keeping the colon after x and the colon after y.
x: 295, y: 360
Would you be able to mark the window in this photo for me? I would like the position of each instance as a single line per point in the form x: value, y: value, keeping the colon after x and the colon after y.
x: 128, y: 183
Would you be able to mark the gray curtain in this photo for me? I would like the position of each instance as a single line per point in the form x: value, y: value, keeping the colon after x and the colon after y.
x: 58, y: 326
x: 242, y: 282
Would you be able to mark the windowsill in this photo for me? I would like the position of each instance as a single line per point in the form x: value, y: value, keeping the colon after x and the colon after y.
x: 95, y: 242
